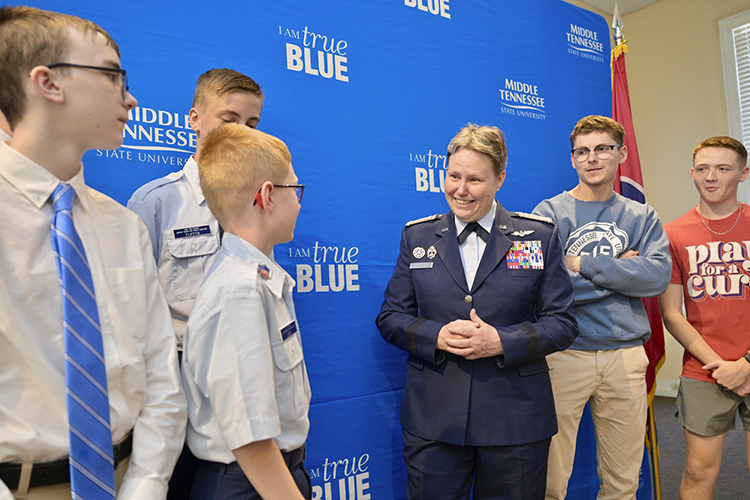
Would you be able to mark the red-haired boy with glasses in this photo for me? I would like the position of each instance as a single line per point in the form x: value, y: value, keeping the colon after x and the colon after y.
x: 243, y: 369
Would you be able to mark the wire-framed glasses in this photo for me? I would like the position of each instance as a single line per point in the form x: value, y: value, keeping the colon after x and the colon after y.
x: 602, y: 151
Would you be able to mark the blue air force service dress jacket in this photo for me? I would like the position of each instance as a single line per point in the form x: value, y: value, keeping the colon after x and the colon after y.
x: 521, y: 288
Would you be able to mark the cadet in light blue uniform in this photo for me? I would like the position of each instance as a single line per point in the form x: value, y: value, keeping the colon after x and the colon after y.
x: 184, y: 234
x: 243, y: 369
x: 243, y: 350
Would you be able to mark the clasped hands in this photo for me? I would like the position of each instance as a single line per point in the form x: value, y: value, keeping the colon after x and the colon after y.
x: 470, y: 338
x: 731, y: 375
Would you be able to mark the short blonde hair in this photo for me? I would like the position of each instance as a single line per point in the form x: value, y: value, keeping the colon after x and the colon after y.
x: 596, y: 123
x: 32, y: 37
x: 234, y: 162
x: 726, y: 143
x: 218, y: 82
x: 483, y: 139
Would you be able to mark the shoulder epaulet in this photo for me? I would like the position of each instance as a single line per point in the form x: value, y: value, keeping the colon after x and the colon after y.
x: 540, y: 218
x: 424, y: 219
x: 158, y: 183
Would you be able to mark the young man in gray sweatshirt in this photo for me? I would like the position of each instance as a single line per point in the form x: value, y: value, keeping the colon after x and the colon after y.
x: 616, y: 253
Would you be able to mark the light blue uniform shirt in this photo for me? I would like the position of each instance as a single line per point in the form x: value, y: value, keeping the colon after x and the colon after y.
x: 242, y: 368
x: 184, y: 236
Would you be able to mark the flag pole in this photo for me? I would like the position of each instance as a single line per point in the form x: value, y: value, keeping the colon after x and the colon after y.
x: 621, y: 48
x: 617, y: 25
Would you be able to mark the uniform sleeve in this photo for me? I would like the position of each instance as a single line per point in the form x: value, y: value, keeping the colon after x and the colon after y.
x: 555, y: 326
x: 646, y: 275
x: 398, y: 320
x: 159, y: 431
x: 141, y: 204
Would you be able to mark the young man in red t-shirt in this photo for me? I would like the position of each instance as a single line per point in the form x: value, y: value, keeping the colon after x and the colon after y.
x: 710, y: 247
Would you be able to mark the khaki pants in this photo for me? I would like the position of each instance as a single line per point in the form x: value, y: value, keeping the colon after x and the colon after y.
x: 62, y: 491
x: 614, y: 381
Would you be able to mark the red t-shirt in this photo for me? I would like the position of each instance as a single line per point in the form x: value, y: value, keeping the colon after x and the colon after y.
x: 714, y: 271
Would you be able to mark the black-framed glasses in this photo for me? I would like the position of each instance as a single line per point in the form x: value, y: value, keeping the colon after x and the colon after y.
x: 299, y: 190
x: 602, y: 151
x: 123, y: 74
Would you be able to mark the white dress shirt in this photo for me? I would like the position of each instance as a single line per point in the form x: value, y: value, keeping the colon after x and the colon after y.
x: 140, y: 355
x: 242, y: 366
x: 472, y: 248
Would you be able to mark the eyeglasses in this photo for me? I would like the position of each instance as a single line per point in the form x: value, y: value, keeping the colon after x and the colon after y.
x: 299, y: 190
x: 123, y: 74
x: 602, y: 151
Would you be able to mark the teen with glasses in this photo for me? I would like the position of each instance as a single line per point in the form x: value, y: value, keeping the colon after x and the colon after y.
x: 616, y: 252
x: 58, y: 112
x: 243, y: 368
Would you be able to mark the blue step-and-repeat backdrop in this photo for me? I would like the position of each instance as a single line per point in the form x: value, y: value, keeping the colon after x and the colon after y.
x: 367, y: 95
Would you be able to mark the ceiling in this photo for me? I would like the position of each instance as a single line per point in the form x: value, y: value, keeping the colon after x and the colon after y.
x: 625, y: 6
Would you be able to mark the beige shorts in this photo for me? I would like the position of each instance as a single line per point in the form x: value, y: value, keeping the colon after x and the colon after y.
x: 707, y: 409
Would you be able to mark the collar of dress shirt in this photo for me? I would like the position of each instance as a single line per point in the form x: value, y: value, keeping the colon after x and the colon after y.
x: 34, y: 181
x: 486, y: 221
x: 191, y: 174
x: 242, y: 249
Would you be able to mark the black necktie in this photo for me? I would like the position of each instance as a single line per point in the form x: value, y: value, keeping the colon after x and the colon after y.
x: 475, y: 227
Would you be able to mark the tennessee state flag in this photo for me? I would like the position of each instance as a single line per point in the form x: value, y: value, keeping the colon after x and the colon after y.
x: 629, y: 183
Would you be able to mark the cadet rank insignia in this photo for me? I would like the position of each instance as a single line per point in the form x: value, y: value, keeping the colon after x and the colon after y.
x: 525, y: 255
x: 264, y: 272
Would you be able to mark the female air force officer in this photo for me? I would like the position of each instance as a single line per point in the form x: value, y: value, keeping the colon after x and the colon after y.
x: 478, y: 298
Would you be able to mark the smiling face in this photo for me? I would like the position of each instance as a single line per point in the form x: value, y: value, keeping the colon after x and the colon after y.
x: 716, y: 174
x: 97, y: 111
x: 236, y: 107
x: 471, y: 184
x: 597, y: 176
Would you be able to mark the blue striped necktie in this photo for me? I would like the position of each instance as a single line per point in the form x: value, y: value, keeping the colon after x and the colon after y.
x: 92, y: 475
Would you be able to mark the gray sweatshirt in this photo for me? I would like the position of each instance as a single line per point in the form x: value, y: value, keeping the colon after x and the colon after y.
x: 609, y: 289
